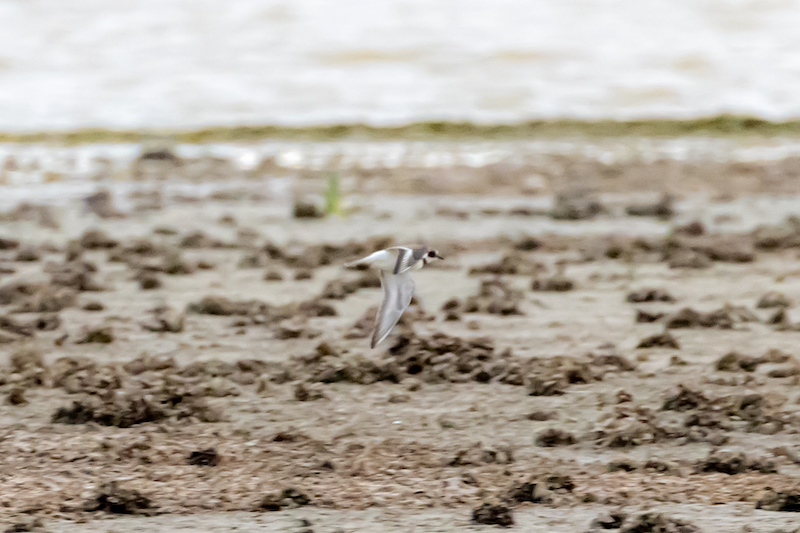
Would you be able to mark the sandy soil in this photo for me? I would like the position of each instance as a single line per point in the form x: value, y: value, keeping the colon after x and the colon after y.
x: 219, y: 400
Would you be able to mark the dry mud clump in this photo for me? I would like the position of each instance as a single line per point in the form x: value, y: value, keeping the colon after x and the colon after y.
x: 650, y: 295
x: 785, y: 501
x: 722, y: 248
x: 8, y: 244
x: 495, y: 296
x: 576, y: 205
x: 779, y: 236
x: 207, y: 457
x: 37, y: 297
x: 724, y: 318
x: 732, y: 463
x: 261, y: 312
x: 701, y: 420
x: 660, y: 340
x: 550, y: 438
x: 689, y: 247
x: 734, y: 361
x: 433, y: 359
x: 101, y: 204
x: 339, y: 289
x: 286, y: 499
x: 513, y: 264
x: 663, y: 209
x: 774, y: 299
x: 656, y: 523
x: 112, y: 498
x: 146, y: 389
x: 496, y: 514
x: 15, y: 327
x: 96, y: 239
x: 556, y: 283
x: 611, y: 520
x: 540, y: 490
x: 648, y: 317
x: 165, y: 319
x: 634, y: 426
x: 749, y: 412
x: 77, y: 274
x: 125, y: 409
x: 442, y: 358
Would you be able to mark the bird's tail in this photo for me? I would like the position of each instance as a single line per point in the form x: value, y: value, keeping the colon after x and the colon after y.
x: 366, y: 262
x: 360, y: 263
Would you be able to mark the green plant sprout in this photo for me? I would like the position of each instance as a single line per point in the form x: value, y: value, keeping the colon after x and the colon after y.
x: 333, y: 196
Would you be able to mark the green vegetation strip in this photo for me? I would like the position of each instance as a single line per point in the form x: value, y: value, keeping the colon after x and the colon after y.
x: 723, y: 125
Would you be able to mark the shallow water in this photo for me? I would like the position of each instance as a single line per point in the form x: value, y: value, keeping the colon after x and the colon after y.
x: 185, y: 64
x: 62, y: 175
x: 31, y: 163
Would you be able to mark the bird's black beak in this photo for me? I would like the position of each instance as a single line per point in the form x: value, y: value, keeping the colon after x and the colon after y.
x: 439, y: 256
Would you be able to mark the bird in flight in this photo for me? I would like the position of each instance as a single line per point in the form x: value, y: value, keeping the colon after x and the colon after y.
x: 394, y: 265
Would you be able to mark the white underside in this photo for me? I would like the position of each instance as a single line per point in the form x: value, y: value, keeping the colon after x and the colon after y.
x: 384, y: 260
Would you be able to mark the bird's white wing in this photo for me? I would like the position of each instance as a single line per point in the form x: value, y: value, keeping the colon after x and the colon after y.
x: 408, y: 257
x: 397, y: 293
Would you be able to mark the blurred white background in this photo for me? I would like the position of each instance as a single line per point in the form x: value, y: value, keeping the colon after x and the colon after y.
x: 191, y: 63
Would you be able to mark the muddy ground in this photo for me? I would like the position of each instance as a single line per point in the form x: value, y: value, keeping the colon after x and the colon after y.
x: 584, y: 359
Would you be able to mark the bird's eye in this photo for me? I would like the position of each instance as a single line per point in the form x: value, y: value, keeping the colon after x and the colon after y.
x: 432, y: 254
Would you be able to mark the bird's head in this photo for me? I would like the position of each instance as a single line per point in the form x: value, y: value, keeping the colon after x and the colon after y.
x: 432, y: 255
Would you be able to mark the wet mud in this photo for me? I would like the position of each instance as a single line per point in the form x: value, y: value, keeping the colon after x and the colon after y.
x: 159, y: 365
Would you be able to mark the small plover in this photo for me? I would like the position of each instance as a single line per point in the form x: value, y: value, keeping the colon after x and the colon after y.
x: 394, y: 265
